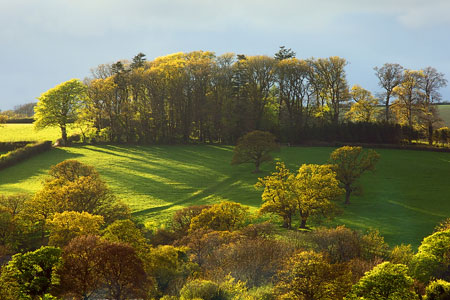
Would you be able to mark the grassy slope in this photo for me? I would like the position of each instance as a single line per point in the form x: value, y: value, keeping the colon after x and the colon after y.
x: 405, y: 198
x: 444, y: 112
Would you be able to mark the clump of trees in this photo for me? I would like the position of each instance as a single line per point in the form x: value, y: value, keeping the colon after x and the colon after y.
x: 202, y: 97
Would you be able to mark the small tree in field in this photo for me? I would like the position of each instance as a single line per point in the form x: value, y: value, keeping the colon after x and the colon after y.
x: 350, y: 163
x: 59, y: 106
x: 254, y: 147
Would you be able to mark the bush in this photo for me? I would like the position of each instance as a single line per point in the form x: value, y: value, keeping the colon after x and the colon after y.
x: 13, y: 157
x: 201, y: 289
x: 10, y: 146
x: 438, y: 290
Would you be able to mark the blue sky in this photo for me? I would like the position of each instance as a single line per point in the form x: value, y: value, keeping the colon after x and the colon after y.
x: 46, y: 42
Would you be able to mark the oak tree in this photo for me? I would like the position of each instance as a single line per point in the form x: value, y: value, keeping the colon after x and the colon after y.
x: 350, y: 163
x: 254, y: 147
x: 59, y: 106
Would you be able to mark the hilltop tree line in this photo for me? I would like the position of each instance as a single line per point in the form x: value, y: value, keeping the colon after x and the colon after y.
x: 92, y: 249
x: 199, y: 96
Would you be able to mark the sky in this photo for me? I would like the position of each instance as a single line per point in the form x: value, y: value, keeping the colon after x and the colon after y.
x: 46, y: 42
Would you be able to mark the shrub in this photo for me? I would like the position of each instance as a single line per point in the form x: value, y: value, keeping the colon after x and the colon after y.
x: 201, y: 289
x: 13, y: 157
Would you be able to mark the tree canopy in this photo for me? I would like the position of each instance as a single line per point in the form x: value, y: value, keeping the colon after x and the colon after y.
x: 60, y: 106
x: 255, y: 147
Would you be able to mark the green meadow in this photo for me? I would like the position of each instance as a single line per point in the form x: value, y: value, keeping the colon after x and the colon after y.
x: 26, y: 132
x: 444, y: 112
x: 405, y: 198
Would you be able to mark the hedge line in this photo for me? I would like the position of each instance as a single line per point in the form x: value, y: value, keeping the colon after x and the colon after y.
x: 20, y: 121
x: 13, y: 157
x: 10, y: 146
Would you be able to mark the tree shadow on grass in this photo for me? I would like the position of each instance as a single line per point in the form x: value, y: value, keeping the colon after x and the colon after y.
x: 35, y: 166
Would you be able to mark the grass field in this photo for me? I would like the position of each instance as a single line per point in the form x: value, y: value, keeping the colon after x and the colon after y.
x: 25, y: 132
x: 444, y: 112
x: 405, y: 198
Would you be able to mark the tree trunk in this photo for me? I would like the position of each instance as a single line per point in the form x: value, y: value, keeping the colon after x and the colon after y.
x: 387, y: 108
x: 257, y: 163
x: 430, y: 133
x: 348, y: 191
x: 287, y: 222
x: 303, y: 223
x: 64, y: 134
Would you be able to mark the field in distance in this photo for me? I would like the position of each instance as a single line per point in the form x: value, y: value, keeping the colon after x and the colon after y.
x: 444, y: 112
x: 405, y: 198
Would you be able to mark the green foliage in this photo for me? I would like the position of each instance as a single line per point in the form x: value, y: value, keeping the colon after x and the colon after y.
x: 308, y: 275
x: 223, y: 216
x: 36, y: 272
x: 432, y: 261
x: 13, y: 157
x: 255, y: 147
x: 350, y: 163
x: 73, y: 186
x: 438, y: 290
x: 401, y: 254
x: 169, y: 266
x: 310, y: 192
x: 125, y: 231
x: 69, y: 224
x: 277, y: 195
x: 201, y: 289
x: 159, y: 180
x: 387, y: 281
x: 59, y: 105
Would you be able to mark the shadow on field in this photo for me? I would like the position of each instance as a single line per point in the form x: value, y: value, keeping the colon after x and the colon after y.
x: 178, y: 175
x: 35, y: 166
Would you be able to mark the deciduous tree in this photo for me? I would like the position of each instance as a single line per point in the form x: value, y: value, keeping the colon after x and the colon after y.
x: 309, y: 276
x: 385, y: 282
x: 314, y: 190
x: 364, y: 108
x: 59, y: 106
x: 69, y: 224
x: 350, y: 163
x: 36, y: 272
x: 277, y: 196
x: 223, y: 216
x: 254, y: 147
x: 390, y: 76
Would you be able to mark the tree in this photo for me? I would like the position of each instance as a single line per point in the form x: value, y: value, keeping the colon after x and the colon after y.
x: 409, y: 98
x: 309, y: 276
x: 432, y: 261
x: 73, y: 186
x: 387, y: 281
x: 438, y: 290
x: 331, y: 85
x: 125, y: 231
x: 223, y: 216
x: 314, y: 189
x: 80, y: 271
x: 390, y: 76
x: 277, y: 195
x: 59, y: 106
x: 365, y: 107
x: 350, y: 163
x: 431, y: 83
x: 284, y: 53
x: 69, y: 224
x: 36, y: 272
x: 254, y: 147
x: 122, y: 271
